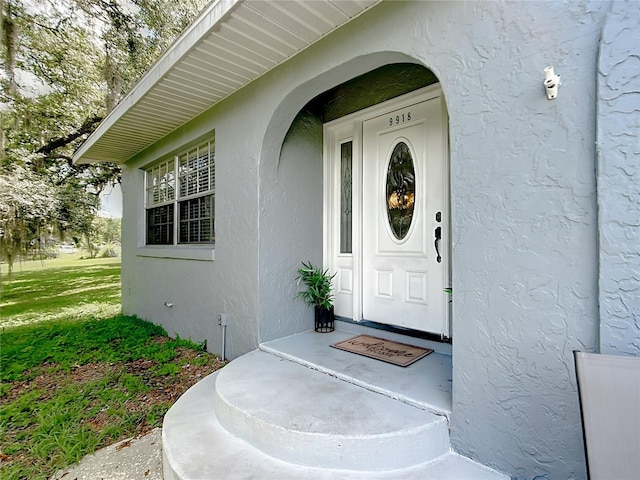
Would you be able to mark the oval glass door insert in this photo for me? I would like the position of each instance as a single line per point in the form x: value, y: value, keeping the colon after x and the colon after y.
x: 401, y: 189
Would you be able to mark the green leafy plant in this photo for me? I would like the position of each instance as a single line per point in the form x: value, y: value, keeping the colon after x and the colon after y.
x: 318, y: 283
x: 449, y: 290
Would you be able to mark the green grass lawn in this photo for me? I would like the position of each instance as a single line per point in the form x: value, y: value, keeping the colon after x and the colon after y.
x: 75, y: 375
x: 64, y: 288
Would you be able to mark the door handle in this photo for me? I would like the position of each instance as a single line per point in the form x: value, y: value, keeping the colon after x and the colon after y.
x: 438, y: 233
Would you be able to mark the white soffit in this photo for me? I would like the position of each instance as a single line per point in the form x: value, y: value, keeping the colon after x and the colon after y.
x: 232, y: 43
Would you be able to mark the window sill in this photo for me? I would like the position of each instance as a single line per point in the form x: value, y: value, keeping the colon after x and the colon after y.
x: 182, y: 252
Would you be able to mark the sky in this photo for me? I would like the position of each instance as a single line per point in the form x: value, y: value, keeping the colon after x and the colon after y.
x: 111, y: 200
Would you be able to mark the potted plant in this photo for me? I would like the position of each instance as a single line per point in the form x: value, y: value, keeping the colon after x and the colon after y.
x: 318, y: 294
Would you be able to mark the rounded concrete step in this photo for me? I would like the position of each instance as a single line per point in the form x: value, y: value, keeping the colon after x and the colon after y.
x: 196, y: 447
x: 305, y: 417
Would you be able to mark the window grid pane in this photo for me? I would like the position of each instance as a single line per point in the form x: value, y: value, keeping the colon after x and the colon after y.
x: 160, y: 225
x: 196, y: 173
x: 196, y: 220
x: 161, y: 183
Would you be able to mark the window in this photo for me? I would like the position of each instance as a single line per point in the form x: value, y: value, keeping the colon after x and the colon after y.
x: 346, y: 202
x: 185, y: 213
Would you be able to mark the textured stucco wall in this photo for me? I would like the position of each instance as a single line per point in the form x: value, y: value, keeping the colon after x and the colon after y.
x: 524, y: 207
x: 199, y: 290
x: 619, y: 180
x: 524, y: 218
x: 524, y: 228
x: 291, y: 218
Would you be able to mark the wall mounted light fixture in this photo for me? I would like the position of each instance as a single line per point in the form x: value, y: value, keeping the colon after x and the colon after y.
x: 551, y: 83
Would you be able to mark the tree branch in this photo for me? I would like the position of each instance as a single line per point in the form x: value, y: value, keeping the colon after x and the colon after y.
x: 42, y: 70
x: 88, y: 126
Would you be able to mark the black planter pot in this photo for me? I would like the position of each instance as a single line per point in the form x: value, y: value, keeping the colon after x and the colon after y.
x: 324, y: 319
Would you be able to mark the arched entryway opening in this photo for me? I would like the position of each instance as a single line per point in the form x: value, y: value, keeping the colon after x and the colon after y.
x: 300, y: 208
x: 294, y: 199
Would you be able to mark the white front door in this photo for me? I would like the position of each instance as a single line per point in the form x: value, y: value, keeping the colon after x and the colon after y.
x: 404, y: 207
x: 397, y: 266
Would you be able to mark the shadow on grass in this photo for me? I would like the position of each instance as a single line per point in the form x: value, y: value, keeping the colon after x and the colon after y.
x: 42, y: 295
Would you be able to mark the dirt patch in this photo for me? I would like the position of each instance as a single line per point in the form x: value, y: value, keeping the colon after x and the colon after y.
x: 50, y: 379
x: 160, y: 390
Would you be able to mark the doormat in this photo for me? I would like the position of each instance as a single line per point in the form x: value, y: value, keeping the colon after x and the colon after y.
x: 392, y: 352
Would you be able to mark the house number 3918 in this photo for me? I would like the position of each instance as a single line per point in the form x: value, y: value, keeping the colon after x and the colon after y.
x: 400, y: 118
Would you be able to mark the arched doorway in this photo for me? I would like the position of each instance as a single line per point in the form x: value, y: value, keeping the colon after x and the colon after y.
x: 295, y: 194
x: 292, y: 181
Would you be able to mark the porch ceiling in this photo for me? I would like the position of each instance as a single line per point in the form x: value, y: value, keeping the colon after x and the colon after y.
x: 232, y: 43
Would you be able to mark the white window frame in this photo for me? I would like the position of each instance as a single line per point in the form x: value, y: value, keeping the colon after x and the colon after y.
x: 173, y: 181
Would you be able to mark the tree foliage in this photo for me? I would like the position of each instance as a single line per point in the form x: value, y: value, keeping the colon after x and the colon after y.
x: 25, y: 211
x: 65, y: 65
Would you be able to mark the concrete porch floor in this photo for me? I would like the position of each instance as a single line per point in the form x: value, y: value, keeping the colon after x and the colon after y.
x: 425, y: 384
x: 297, y: 408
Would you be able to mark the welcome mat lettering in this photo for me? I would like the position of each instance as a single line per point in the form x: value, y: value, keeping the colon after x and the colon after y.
x: 392, y: 352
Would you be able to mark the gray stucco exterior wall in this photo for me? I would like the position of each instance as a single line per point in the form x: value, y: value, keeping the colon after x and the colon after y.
x: 200, y: 289
x: 291, y: 218
x: 524, y: 211
x: 618, y: 145
x: 524, y: 228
